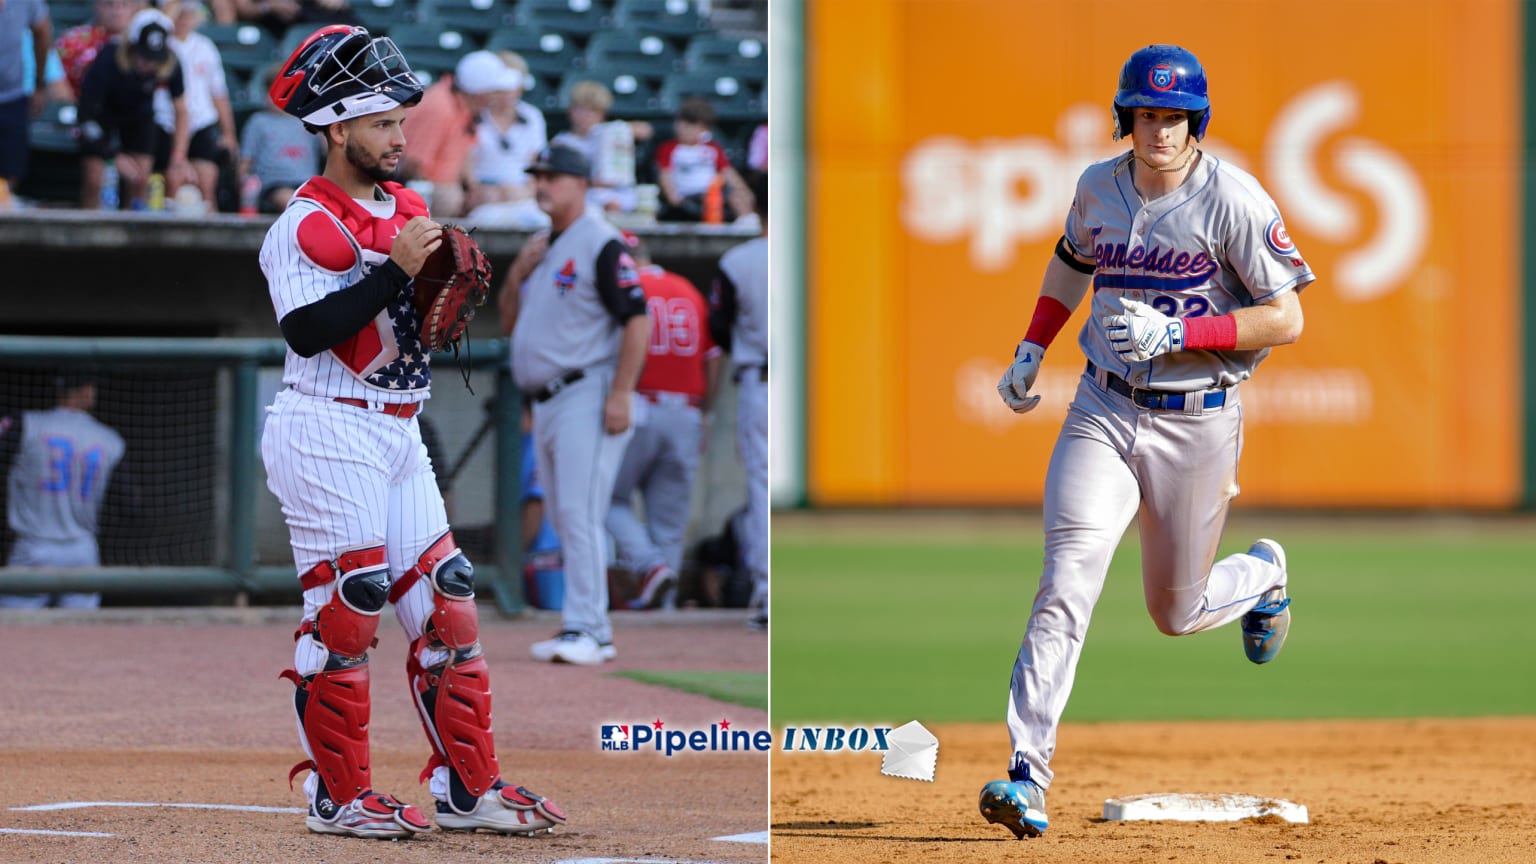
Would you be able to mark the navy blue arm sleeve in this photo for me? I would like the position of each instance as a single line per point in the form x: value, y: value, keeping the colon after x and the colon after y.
x: 338, y: 316
x: 621, y: 302
x: 722, y: 310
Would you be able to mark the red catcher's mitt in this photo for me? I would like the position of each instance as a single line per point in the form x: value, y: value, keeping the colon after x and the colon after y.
x: 454, y: 280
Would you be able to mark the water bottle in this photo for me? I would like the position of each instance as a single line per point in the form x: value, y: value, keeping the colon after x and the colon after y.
x: 157, y: 191
x: 714, y: 201
x: 109, y: 182
x: 250, y: 194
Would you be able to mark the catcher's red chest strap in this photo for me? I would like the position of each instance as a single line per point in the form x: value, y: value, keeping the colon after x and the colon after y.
x: 371, y: 232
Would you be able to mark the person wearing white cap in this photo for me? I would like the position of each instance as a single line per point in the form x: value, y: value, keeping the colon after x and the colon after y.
x: 210, y: 116
x: 116, y: 111
x: 443, y: 128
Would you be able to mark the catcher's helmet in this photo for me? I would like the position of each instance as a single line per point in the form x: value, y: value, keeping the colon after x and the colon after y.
x: 1162, y: 76
x: 341, y: 72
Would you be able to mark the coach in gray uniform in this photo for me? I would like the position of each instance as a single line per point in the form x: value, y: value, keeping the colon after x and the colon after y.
x: 738, y: 319
x: 576, y: 312
x: 64, y: 460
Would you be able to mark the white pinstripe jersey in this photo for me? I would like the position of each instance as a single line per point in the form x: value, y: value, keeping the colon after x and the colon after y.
x: 1213, y: 245
x: 323, y: 242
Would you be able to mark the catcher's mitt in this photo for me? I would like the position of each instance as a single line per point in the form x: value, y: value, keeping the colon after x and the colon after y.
x: 454, y: 280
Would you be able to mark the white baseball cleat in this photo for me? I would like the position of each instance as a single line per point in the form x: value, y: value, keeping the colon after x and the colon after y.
x: 505, y: 809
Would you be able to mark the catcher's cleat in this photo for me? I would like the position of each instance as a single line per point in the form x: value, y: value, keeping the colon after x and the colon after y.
x: 504, y: 809
x: 372, y: 814
x: 1265, y: 625
x: 1018, y: 806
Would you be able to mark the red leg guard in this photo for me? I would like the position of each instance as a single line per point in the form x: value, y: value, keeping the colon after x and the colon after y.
x: 455, y: 705
x: 334, y: 713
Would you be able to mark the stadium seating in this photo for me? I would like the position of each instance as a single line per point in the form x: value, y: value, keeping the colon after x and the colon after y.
x: 640, y: 54
x: 479, y: 17
x: 571, y: 17
x: 245, y: 48
x: 745, y: 58
x: 430, y: 48
x: 662, y: 17
x: 68, y: 13
x: 548, y: 54
x: 380, y: 15
x: 53, y: 163
x: 634, y: 98
x: 733, y: 98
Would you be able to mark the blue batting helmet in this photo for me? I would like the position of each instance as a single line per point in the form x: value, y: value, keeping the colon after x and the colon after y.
x: 1162, y: 76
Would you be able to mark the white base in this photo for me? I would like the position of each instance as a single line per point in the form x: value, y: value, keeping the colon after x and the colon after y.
x: 1182, y: 807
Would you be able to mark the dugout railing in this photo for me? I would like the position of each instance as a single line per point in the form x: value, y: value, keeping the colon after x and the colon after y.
x: 213, y: 386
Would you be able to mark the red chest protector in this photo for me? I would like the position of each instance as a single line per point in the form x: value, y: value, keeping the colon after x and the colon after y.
x: 381, y: 354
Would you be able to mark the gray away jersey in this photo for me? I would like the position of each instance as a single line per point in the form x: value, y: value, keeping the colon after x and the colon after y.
x: 59, y: 478
x: 1213, y: 245
x: 747, y: 268
x: 562, y: 324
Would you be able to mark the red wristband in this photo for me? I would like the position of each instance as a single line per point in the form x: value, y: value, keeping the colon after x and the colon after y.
x: 1211, y: 334
x: 1050, y: 316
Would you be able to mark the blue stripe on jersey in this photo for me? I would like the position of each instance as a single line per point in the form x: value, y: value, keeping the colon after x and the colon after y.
x: 1143, y: 282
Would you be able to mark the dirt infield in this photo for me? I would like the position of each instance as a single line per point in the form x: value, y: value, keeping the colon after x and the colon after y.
x: 92, y: 716
x: 1378, y: 791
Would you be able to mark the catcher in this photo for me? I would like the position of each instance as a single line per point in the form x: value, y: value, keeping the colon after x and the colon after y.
x: 345, y: 263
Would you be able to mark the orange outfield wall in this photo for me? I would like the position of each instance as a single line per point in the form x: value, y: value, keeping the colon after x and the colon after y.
x: 944, y: 141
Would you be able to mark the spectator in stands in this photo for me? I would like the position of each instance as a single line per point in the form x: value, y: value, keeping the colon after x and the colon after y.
x: 61, y: 464
x: 687, y: 165
x: 509, y: 135
x: 679, y: 380
x: 279, y: 151
x: 279, y: 15
x: 209, y: 115
x: 117, y: 112
x: 55, y: 86
x: 603, y: 142
x: 757, y: 149
x: 78, y: 46
x: 29, y: 17
x: 442, y: 128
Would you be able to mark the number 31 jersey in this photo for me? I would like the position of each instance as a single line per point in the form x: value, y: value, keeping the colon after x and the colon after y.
x: 1213, y: 245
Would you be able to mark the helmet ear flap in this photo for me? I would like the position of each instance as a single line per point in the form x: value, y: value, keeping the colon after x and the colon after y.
x: 1198, y: 120
x: 1124, y: 122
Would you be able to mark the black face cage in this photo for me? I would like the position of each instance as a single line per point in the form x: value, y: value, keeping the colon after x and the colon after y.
x: 374, y: 64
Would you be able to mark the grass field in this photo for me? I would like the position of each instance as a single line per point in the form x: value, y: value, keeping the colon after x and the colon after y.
x: 1391, y: 618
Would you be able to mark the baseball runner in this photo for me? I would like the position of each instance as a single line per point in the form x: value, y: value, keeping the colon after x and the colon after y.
x: 62, y: 462
x: 738, y: 320
x: 681, y: 372
x: 1194, y: 279
x: 573, y: 305
x: 344, y: 455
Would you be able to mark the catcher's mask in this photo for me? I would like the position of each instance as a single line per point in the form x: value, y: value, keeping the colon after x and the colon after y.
x: 1162, y: 76
x: 342, y: 72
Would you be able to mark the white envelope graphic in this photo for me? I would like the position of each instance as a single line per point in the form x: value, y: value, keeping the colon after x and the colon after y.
x: 914, y: 753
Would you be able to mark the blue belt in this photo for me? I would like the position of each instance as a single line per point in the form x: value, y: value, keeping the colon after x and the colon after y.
x: 1156, y: 400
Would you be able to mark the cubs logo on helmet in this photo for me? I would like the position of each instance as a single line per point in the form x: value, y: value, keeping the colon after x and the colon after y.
x: 1162, y: 78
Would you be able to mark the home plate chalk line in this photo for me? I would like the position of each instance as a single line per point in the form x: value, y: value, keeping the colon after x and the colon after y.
x: 750, y: 837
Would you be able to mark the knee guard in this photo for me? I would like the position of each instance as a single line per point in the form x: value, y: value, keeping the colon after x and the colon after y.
x: 332, y: 703
x: 453, y: 696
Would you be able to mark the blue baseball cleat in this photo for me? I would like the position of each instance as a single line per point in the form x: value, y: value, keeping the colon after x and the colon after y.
x: 1266, y: 625
x: 1017, y: 804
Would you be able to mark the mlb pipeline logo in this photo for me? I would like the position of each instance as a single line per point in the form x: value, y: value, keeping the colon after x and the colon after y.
x: 721, y: 738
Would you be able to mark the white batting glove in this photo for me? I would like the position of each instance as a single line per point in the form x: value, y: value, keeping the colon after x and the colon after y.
x: 1143, y: 332
x: 1016, y: 381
